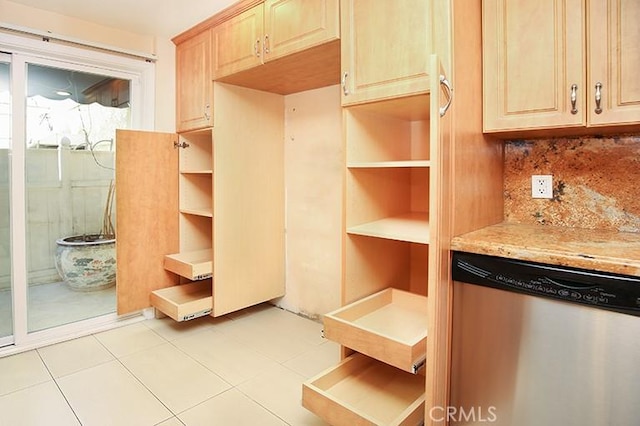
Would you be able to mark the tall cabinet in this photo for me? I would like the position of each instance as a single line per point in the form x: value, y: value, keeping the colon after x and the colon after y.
x: 395, y: 286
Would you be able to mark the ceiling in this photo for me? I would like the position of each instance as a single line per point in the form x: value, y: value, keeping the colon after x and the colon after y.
x: 165, y: 18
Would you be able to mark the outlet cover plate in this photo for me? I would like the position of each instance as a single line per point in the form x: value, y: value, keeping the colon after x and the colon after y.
x: 542, y: 186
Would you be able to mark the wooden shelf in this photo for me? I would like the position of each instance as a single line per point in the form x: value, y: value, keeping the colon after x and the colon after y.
x: 412, y: 227
x: 390, y: 326
x: 197, y: 172
x: 186, y: 301
x: 388, y: 164
x: 194, y: 265
x: 204, y: 212
x: 361, y: 390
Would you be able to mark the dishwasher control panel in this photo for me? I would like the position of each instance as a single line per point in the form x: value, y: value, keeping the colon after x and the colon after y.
x: 620, y: 293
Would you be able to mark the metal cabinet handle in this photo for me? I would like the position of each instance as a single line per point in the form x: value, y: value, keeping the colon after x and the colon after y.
x: 266, y: 44
x: 256, y: 47
x: 207, y: 115
x: 344, y: 83
x: 180, y: 144
x: 447, y: 85
x: 598, y: 109
x: 574, y: 98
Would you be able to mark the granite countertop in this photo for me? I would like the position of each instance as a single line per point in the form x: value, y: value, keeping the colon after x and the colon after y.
x: 599, y: 250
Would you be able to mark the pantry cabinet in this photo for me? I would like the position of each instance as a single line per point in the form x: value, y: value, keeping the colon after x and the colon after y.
x: 201, y: 223
x: 194, y: 83
x: 272, y: 30
x: 554, y: 65
x: 385, y: 49
x: 395, y: 255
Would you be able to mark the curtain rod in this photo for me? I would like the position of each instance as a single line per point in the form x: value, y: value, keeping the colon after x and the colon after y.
x: 48, y: 35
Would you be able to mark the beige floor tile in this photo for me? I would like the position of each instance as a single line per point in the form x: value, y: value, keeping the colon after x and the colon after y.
x: 315, y: 360
x: 279, y: 390
x: 173, y: 421
x: 109, y: 395
x: 129, y: 339
x: 175, y: 378
x: 278, y: 335
x: 22, y: 371
x: 229, y: 408
x: 234, y: 361
x: 37, y: 405
x: 171, y: 330
x: 74, y: 355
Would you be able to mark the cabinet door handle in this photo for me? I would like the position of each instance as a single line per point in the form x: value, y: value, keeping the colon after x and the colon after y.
x: 180, y: 145
x: 207, y: 115
x: 598, y: 109
x: 256, y: 48
x: 344, y: 83
x: 447, y: 85
x: 574, y: 98
x: 266, y: 44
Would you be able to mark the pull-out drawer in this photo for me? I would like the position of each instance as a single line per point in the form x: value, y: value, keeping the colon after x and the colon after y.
x: 193, y: 265
x: 185, y: 301
x: 363, y: 391
x: 390, y: 326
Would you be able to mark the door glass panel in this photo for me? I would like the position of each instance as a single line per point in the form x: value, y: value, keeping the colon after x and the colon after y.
x: 6, y: 323
x: 71, y: 117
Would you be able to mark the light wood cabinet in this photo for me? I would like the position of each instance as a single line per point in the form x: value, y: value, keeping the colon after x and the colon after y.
x: 194, y: 84
x: 385, y: 49
x: 543, y: 60
x: 395, y: 258
x: 270, y: 31
x: 614, y: 61
x: 146, y: 215
x: 294, y: 25
x: 237, y: 43
x: 214, y: 209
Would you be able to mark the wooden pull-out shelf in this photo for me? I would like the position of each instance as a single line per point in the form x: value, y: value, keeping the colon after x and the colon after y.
x: 193, y: 265
x: 390, y: 326
x: 364, y: 391
x: 186, y: 301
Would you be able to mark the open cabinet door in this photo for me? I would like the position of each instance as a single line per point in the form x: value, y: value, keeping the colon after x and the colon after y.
x: 248, y: 197
x: 440, y: 286
x: 146, y: 215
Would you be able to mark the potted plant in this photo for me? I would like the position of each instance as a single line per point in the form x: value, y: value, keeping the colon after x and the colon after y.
x: 88, y: 262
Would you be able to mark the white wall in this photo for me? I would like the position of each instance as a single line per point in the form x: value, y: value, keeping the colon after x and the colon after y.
x: 38, y: 19
x: 313, y: 179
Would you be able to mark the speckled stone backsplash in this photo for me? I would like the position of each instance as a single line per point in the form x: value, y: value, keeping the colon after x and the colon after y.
x: 596, y: 182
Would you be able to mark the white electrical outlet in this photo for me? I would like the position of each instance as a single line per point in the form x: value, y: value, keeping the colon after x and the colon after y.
x: 542, y: 186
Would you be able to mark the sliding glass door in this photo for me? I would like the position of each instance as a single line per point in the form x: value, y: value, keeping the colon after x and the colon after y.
x: 6, y: 300
x: 60, y: 106
x: 71, y: 119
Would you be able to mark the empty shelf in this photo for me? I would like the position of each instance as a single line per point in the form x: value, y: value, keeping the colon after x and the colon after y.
x: 390, y: 326
x: 184, y: 302
x: 194, y: 265
x: 411, y: 227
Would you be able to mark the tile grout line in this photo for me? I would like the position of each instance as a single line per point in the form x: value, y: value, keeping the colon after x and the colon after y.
x: 55, y: 381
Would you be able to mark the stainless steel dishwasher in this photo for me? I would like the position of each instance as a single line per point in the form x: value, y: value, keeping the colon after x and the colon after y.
x: 543, y: 345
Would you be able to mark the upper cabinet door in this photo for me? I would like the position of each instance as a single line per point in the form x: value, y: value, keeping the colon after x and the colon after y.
x: 237, y: 43
x: 614, y: 61
x: 294, y: 25
x: 385, y: 49
x: 533, y: 64
x: 194, y: 83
